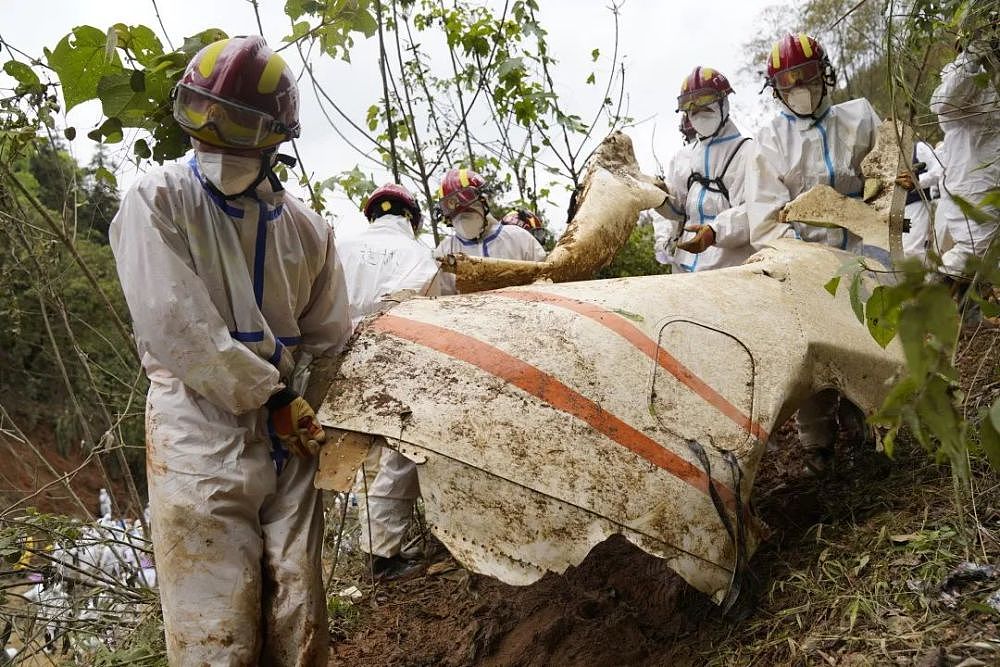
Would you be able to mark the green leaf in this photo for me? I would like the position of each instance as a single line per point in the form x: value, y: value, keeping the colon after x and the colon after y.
x: 110, y: 132
x: 104, y: 174
x: 141, y: 150
x: 26, y: 77
x: 855, y: 293
x: 989, y: 437
x: 971, y: 211
x: 70, y: 133
x: 882, y: 313
x: 120, y: 100
x: 591, y: 79
x: 80, y: 61
x: 832, y: 285
x: 140, y: 41
x: 594, y: 55
x: 194, y: 43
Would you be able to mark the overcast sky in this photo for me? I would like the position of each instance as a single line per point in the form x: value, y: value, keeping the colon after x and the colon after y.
x: 659, y: 41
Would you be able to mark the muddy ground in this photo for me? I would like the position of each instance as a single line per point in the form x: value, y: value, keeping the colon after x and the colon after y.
x: 849, y: 576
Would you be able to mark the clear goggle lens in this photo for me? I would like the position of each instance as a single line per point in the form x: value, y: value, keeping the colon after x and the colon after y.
x: 234, y: 124
x: 800, y: 75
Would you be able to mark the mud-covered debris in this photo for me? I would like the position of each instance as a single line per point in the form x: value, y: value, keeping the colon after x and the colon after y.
x: 961, y: 577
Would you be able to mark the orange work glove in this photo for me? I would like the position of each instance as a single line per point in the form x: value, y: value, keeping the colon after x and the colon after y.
x: 294, y: 423
x: 704, y: 238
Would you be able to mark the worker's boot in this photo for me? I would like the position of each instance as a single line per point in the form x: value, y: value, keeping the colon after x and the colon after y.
x: 395, y: 568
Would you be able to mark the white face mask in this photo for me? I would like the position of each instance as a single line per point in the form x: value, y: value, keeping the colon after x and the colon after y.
x: 469, y: 224
x: 706, y: 123
x: 231, y: 174
x: 803, y: 100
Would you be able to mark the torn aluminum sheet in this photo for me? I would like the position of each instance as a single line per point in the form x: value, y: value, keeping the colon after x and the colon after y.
x: 547, y: 418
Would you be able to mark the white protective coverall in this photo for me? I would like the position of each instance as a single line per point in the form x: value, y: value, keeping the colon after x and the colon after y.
x: 700, y: 202
x: 970, y: 117
x: 499, y: 241
x: 224, y: 296
x: 919, y: 202
x: 792, y: 154
x: 383, y: 259
x: 668, y: 225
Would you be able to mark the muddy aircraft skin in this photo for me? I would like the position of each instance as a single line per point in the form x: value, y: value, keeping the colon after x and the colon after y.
x: 548, y: 416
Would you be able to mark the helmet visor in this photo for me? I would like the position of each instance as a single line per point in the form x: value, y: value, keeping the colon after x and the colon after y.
x: 697, y: 99
x: 458, y: 200
x: 800, y: 75
x: 199, y: 112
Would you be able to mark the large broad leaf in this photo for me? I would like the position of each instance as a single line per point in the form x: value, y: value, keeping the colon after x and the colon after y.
x: 140, y: 41
x: 26, y: 77
x: 989, y: 435
x: 882, y: 313
x: 119, y: 97
x: 81, y: 60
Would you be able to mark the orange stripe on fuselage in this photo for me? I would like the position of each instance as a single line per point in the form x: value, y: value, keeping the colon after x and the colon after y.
x: 647, y: 346
x: 550, y: 390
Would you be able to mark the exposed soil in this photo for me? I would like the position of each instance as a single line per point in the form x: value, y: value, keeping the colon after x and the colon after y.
x: 25, y: 478
x: 829, y: 586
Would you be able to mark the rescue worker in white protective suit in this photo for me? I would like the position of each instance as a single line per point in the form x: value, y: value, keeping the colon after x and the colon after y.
x: 968, y: 108
x: 920, y: 199
x: 385, y: 259
x: 809, y: 142
x: 463, y: 203
x: 231, y: 282
x: 529, y: 221
x: 707, y: 198
x: 666, y: 231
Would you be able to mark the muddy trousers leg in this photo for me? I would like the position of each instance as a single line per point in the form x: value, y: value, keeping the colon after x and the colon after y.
x: 384, y: 515
x: 234, y: 543
x: 295, y: 619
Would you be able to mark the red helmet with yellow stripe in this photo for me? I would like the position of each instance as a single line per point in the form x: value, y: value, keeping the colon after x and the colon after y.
x: 238, y: 93
x: 798, y: 60
x: 460, y: 189
x: 702, y: 87
x: 393, y: 198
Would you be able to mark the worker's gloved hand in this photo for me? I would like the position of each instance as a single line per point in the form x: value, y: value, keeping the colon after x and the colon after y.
x: 294, y: 423
x: 904, y: 179
x: 704, y: 238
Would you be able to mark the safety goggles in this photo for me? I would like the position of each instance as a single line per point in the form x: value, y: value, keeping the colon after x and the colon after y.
x: 459, y: 200
x: 697, y: 99
x: 234, y: 124
x: 800, y: 75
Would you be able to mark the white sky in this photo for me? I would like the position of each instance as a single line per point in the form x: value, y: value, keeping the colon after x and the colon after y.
x: 660, y: 43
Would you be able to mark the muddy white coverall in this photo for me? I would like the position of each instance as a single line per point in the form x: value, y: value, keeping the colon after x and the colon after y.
x: 386, y: 258
x: 969, y: 114
x: 499, y: 241
x: 789, y: 156
x: 669, y: 224
x: 710, y: 192
x: 920, y: 201
x: 223, y: 296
